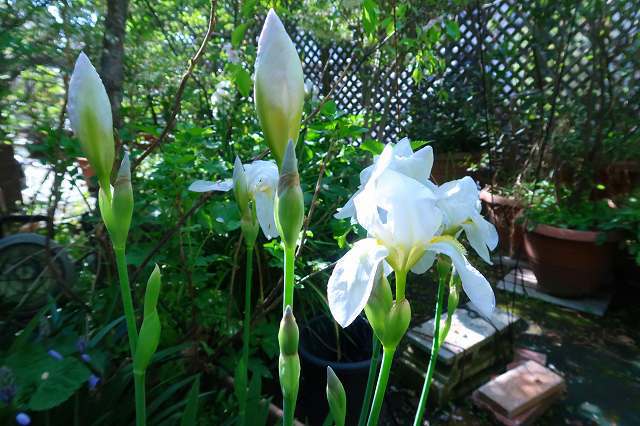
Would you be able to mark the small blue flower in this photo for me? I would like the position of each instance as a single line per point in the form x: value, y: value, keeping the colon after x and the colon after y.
x: 93, y: 381
x: 7, y: 393
x: 7, y: 385
x: 55, y: 354
x: 23, y: 419
x: 86, y: 358
x: 81, y: 345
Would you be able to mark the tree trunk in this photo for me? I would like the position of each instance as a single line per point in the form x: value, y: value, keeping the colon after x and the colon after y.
x: 112, y: 61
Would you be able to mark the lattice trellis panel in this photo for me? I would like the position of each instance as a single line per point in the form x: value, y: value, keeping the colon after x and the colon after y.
x: 513, y: 42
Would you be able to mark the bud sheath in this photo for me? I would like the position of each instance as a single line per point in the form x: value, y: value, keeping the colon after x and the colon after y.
x: 289, y: 205
x: 336, y: 397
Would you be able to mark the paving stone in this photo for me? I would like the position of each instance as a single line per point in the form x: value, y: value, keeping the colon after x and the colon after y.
x: 518, y: 390
x: 524, y: 282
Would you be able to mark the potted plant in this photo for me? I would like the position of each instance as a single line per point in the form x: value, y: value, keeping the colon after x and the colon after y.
x: 504, y: 209
x: 570, y: 247
x: 347, y: 351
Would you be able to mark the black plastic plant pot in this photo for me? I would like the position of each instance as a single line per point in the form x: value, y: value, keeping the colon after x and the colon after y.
x: 347, y: 351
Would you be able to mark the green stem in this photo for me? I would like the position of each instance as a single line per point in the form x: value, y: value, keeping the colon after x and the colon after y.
x: 373, y: 369
x: 288, y: 408
x: 381, y: 386
x: 289, y: 260
x: 435, y: 348
x: 141, y: 411
x: 246, y: 330
x: 401, y: 283
x: 132, y: 332
x: 289, y: 404
x: 452, y: 305
x: 127, y: 302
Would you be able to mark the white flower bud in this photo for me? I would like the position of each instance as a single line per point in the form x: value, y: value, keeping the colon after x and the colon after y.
x: 279, y: 86
x: 90, y: 116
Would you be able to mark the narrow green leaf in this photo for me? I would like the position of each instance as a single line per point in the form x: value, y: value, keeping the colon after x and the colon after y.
x: 190, y: 415
x: 369, y: 16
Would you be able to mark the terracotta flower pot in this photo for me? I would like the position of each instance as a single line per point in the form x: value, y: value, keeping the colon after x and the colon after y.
x: 570, y: 263
x: 504, y: 213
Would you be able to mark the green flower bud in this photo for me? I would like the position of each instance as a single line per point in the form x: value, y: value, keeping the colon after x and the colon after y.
x: 289, y: 362
x: 240, y: 186
x: 150, y: 331
x: 246, y: 204
x: 379, y: 303
x: 289, y: 372
x: 91, y: 120
x: 397, y: 324
x: 288, y: 335
x: 289, y: 203
x: 336, y: 397
x: 452, y: 305
x: 279, y: 86
x: 147, y: 342
x: 152, y: 292
x: 117, y: 209
x: 122, y: 204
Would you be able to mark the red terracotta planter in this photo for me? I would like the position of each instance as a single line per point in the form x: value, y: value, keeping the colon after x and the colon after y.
x: 569, y: 263
x: 504, y: 213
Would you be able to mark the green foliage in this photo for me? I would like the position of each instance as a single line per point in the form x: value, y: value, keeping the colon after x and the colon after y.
x: 190, y: 415
x: 45, y: 382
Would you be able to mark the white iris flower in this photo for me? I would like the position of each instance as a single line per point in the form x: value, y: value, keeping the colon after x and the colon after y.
x: 404, y: 215
x: 459, y: 200
x: 262, y: 180
x: 399, y: 157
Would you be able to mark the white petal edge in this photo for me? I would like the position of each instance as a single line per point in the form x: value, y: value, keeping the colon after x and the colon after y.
x: 473, y: 282
x: 208, y: 186
x: 425, y: 263
x: 352, y: 280
x: 264, y: 211
x: 348, y: 210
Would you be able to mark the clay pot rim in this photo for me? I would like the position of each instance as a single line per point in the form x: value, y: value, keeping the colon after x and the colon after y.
x: 490, y: 198
x: 574, y: 234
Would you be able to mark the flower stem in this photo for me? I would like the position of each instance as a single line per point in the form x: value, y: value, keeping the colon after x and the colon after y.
x: 435, y: 348
x: 381, y: 386
x: 289, y: 260
x: 373, y: 369
x: 132, y: 332
x: 401, y: 283
x: 288, y: 408
x: 127, y: 302
x: 289, y: 403
x: 246, y: 330
x: 141, y: 412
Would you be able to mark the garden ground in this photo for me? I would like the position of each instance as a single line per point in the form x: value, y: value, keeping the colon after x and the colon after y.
x: 599, y: 357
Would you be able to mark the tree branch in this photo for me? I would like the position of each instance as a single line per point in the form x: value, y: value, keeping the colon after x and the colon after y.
x: 183, y: 84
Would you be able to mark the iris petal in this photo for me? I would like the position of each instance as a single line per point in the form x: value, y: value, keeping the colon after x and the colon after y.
x: 352, y: 279
x: 473, y: 282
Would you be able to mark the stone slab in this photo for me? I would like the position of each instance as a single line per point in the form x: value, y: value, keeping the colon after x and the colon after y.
x: 469, y: 330
x: 518, y: 390
x: 526, y: 418
x: 524, y: 282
